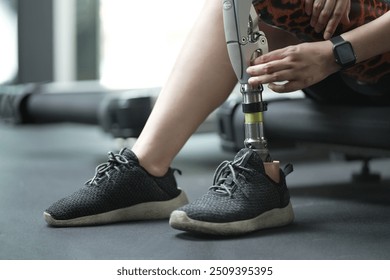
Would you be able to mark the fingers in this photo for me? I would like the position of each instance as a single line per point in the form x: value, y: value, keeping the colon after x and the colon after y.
x: 270, y: 67
x: 271, y: 56
x: 276, y: 74
x: 287, y: 87
x: 339, y: 14
x: 308, y: 7
x: 332, y: 25
x: 320, y: 13
x: 266, y: 76
x: 327, y: 14
x: 279, y: 80
x: 276, y: 66
x: 345, y: 17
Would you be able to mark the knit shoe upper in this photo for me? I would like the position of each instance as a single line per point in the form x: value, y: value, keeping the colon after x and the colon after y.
x: 240, y: 200
x: 121, y: 190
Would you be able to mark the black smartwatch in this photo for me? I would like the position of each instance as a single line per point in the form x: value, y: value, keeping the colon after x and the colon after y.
x: 343, y: 52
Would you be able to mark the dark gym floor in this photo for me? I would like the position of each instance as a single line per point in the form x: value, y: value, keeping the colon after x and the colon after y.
x: 335, y: 219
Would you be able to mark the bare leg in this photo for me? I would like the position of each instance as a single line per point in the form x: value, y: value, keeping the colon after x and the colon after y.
x: 201, y: 80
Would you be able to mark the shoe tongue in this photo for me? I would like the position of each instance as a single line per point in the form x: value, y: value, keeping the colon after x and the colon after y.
x: 249, y: 158
x: 128, y: 154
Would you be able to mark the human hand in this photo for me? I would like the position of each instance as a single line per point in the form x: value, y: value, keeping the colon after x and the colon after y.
x: 327, y: 14
x: 294, y: 67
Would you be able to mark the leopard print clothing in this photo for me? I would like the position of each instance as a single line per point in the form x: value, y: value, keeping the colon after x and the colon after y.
x: 290, y: 16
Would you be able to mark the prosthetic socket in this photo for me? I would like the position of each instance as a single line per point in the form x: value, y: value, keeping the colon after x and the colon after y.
x: 245, y: 42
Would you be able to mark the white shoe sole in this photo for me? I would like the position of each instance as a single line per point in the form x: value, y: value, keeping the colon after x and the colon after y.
x: 274, y: 218
x: 143, y: 211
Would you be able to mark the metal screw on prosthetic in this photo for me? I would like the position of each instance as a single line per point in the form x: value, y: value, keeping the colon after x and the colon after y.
x: 245, y: 42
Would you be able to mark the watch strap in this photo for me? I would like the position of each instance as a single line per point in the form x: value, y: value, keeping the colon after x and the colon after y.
x: 337, y: 40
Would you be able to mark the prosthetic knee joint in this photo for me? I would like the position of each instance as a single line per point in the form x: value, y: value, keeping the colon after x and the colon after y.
x: 245, y: 42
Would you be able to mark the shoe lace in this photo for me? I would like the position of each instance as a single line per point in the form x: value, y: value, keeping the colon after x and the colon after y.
x: 225, y: 179
x: 102, y: 170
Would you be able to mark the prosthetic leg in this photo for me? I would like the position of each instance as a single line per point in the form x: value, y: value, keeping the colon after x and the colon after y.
x: 245, y: 42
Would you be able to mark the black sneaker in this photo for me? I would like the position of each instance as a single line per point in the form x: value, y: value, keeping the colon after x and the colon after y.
x: 121, y: 190
x: 242, y: 199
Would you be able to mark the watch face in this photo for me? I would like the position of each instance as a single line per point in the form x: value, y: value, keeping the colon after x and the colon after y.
x: 345, y: 54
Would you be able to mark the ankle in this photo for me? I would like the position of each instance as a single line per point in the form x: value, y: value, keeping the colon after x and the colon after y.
x: 149, y: 164
x: 155, y: 171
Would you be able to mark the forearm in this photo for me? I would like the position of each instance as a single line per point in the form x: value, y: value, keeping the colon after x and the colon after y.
x: 370, y: 39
